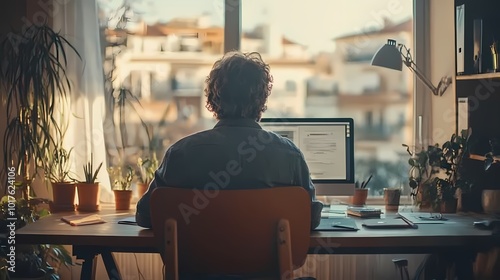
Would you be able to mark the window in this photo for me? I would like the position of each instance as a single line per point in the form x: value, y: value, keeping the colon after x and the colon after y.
x: 344, y: 35
x: 319, y: 52
x: 161, y: 52
x: 290, y: 86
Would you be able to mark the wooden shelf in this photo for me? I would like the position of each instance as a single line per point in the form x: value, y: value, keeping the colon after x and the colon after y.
x: 478, y: 76
x: 482, y: 158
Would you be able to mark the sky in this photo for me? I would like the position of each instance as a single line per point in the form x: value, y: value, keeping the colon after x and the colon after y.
x: 313, y: 23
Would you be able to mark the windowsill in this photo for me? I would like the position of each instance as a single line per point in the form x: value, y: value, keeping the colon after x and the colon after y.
x: 337, y: 201
x: 371, y: 200
x: 111, y: 205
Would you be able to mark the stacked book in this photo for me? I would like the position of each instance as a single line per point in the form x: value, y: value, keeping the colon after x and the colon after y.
x: 364, y: 212
x: 81, y: 220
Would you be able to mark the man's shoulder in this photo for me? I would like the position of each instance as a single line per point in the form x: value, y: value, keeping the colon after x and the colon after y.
x: 218, y: 138
x: 282, y: 142
x: 192, y: 139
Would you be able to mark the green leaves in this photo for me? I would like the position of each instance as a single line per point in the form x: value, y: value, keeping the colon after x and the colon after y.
x: 57, y: 165
x: 413, y: 183
x: 147, y: 168
x: 88, y: 171
x: 120, y: 180
x: 34, y: 73
x: 437, y: 169
x: 57, y: 253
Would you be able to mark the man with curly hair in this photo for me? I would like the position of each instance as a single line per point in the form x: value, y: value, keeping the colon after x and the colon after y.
x: 237, y: 153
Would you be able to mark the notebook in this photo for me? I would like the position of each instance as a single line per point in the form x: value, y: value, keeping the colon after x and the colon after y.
x: 128, y: 221
x: 364, y: 212
x: 387, y: 223
x: 81, y: 220
x: 337, y: 224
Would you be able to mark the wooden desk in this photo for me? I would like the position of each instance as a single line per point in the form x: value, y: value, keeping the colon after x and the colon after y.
x: 89, y: 241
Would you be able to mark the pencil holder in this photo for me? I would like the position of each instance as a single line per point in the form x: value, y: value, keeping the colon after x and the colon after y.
x: 359, y: 197
x: 391, y: 199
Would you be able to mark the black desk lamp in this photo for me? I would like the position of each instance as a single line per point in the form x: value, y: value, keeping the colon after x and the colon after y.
x: 393, y: 56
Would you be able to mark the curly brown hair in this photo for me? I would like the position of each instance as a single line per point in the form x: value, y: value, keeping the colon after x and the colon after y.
x: 238, y: 86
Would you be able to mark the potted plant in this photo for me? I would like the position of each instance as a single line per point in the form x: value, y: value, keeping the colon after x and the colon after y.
x: 488, y: 180
x: 436, y: 173
x: 34, y: 76
x: 147, y: 168
x: 122, y: 186
x: 57, y: 171
x: 88, y: 190
x: 417, y: 174
x: 40, y: 261
x: 122, y: 173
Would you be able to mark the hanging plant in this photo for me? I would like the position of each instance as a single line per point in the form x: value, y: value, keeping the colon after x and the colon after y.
x: 33, y: 75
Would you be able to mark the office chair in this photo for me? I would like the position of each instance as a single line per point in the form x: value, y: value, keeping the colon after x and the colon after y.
x: 402, y: 267
x: 256, y: 233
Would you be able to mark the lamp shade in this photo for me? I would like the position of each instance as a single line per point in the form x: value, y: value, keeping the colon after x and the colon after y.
x: 388, y: 56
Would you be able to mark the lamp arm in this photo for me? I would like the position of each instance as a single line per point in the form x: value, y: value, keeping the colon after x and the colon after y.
x: 408, y: 61
x: 422, y: 78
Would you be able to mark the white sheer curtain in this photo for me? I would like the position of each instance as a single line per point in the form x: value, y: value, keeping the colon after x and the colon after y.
x: 77, y: 21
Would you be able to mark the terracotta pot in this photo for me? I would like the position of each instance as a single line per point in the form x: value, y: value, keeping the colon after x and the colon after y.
x: 141, y: 189
x: 88, y: 196
x: 359, y: 197
x: 423, y: 199
x: 392, y: 196
x: 63, y: 194
x: 122, y: 199
x: 490, y: 201
x: 449, y: 206
x: 469, y: 201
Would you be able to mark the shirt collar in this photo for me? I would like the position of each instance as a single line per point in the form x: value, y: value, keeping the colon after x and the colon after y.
x: 238, y: 122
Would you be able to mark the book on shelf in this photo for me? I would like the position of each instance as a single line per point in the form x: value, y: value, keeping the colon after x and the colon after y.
x: 363, y: 212
x: 81, y: 220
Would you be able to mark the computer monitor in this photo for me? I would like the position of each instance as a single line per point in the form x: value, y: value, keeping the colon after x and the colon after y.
x: 328, y: 148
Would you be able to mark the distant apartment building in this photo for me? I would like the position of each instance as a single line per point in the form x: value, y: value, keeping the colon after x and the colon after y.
x: 169, y: 62
x: 166, y: 64
x: 379, y: 99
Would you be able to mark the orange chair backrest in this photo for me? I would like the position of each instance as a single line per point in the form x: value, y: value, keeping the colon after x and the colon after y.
x: 232, y: 231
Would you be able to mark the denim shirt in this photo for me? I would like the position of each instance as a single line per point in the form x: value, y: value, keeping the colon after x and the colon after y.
x: 235, y: 154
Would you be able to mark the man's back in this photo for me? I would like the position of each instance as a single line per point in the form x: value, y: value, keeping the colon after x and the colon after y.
x: 236, y: 154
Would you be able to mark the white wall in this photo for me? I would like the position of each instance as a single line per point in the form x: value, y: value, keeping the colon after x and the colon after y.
x: 442, y: 62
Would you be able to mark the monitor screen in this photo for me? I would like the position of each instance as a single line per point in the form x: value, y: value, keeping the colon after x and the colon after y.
x: 328, y: 148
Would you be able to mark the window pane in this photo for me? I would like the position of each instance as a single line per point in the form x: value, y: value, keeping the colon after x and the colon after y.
x: 320, y: 53
x: 160, y: 53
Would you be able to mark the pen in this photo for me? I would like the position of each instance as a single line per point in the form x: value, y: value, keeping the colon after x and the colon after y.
x: 342, y: 226
x: 334, y: 211
x: 364, y: 184
x: 406, y: 220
